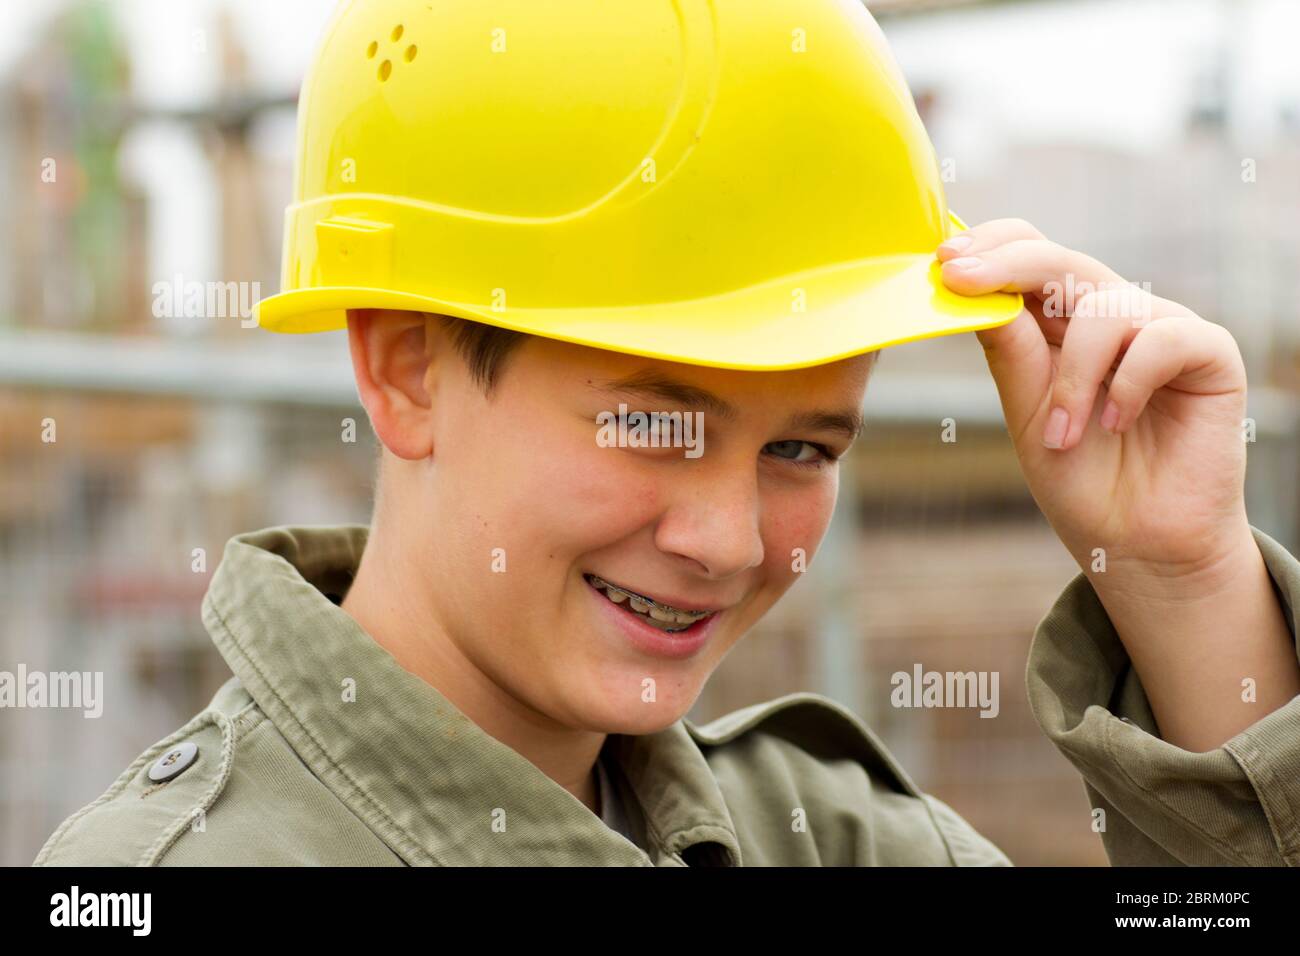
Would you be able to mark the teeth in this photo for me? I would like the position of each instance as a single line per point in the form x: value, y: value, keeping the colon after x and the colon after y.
x: 667, y: 619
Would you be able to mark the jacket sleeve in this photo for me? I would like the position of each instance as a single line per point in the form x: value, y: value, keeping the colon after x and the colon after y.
x: 1161, y: 805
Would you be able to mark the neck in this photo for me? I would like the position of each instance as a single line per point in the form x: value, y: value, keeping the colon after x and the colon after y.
x: 400, y: 614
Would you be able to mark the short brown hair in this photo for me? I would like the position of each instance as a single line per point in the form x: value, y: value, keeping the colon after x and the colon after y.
x: 484, y: 347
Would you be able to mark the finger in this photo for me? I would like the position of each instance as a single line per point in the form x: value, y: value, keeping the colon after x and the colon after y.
x: 1181, y: 350
x: 1037, y: 266
x: 1097, y: 333
x: 1136, y: 302
x: 1052, y: 326
x: 1017, y: 353
x: 987, y: 235
x: 1020, y: 363
x: 1154, y: 307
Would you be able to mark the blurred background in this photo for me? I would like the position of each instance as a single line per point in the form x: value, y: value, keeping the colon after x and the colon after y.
x: 150, y: 141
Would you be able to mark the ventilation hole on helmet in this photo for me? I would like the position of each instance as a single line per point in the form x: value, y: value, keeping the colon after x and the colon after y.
x: 397, y: 33
x: 372, y: 49
x: 385, y: 69
x: 410, y: 53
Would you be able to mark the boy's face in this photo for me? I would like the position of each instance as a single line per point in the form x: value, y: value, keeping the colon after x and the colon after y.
x: 529, y: 470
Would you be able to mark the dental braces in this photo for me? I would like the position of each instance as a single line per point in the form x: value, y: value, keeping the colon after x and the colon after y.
x: 645, y: 600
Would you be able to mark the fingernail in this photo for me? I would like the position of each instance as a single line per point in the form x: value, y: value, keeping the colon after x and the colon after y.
x: 1110, y: 416
x: 965, y: 262
x: 1058, y: 423
x: 956, y: 243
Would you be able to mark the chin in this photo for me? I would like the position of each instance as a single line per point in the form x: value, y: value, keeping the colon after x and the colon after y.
x: 618, y: 713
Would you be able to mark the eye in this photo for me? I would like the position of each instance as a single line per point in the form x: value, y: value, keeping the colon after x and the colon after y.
x: 800, y: 452
x: 658, y: 430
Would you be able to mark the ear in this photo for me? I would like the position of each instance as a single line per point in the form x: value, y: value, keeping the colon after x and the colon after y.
x: 395, y: 360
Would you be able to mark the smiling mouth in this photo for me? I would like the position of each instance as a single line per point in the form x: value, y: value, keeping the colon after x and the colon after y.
x: 665, y: 617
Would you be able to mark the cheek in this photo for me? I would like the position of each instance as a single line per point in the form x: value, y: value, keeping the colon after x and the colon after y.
x: 795, y: 521
x: 555, y: 493
x: 597, y: 496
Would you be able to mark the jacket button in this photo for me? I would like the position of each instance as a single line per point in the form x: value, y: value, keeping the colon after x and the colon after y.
x: 174, y: 762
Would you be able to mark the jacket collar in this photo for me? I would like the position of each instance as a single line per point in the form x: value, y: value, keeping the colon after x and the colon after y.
x: 426, y: 779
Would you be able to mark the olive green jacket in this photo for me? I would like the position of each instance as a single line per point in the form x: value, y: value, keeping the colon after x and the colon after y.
x: 323, y: 750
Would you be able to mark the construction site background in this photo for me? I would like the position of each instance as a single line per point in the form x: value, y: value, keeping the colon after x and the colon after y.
x: 1163, y: 138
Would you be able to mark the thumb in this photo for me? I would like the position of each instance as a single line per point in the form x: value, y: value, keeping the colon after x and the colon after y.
x: 1021, y: 364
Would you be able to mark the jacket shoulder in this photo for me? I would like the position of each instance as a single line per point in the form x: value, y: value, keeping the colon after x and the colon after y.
x: 166, y: 790
x: 245, y: 799
x: 805, y: 753
x: 815, y: 724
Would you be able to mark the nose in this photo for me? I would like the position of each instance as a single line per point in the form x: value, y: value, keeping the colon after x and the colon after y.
x: 715, y: 524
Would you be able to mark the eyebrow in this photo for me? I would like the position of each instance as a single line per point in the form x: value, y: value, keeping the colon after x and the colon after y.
x: 849, y: 422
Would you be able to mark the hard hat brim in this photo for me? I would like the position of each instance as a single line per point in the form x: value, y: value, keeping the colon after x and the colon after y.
x: 795, y: 321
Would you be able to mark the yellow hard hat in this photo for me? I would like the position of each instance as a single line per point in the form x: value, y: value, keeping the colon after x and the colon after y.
x: 734, y: 184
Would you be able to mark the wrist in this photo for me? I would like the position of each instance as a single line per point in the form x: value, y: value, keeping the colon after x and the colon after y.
x: 1196, y: 632
x: 1221, y: 562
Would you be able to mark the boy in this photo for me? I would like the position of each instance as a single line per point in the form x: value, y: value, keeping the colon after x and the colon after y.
x: 535, y: 223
